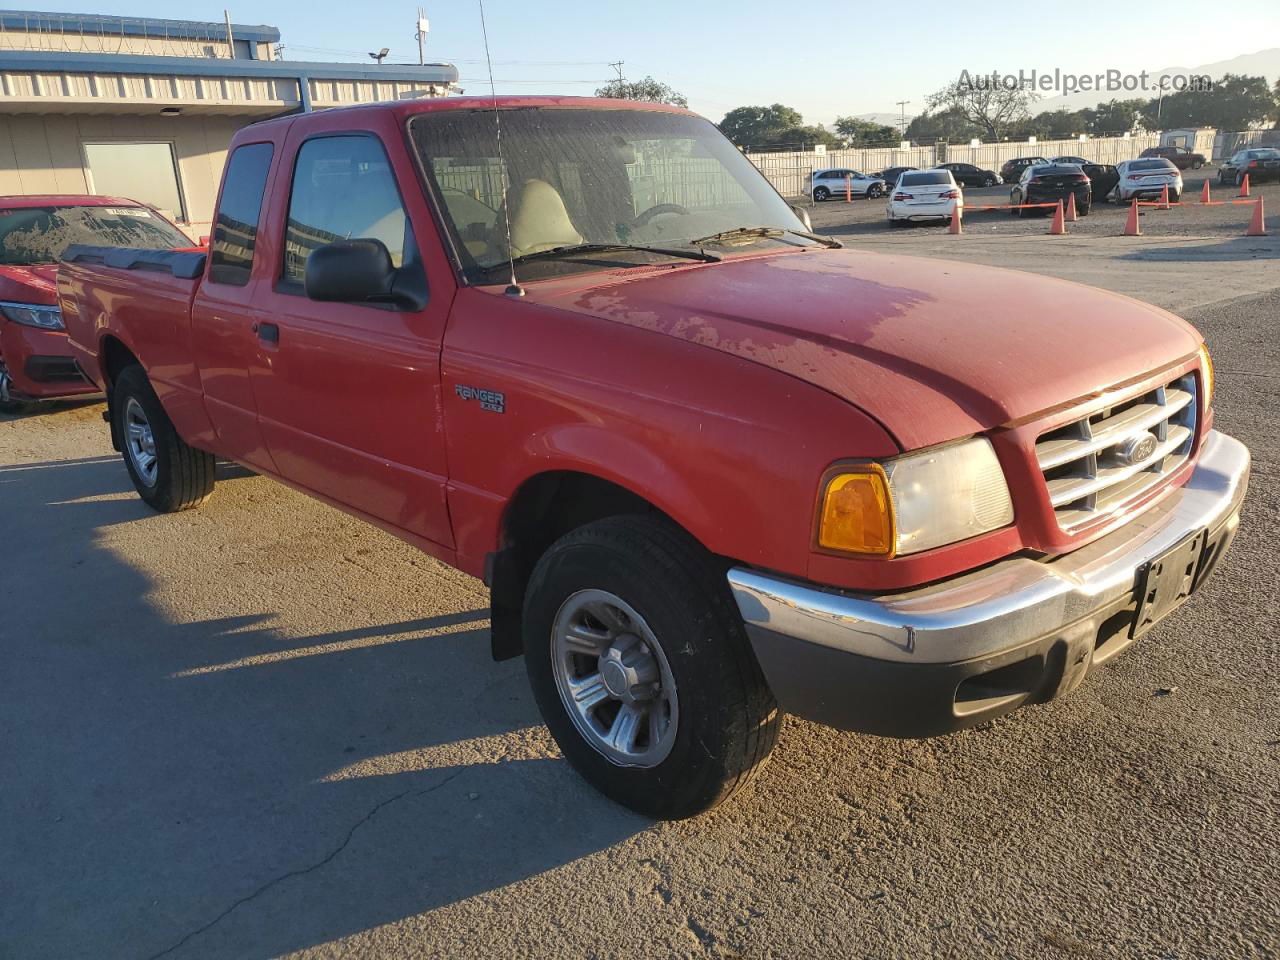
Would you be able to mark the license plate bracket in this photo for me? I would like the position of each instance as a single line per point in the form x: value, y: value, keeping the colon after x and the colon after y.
x: 1165, y: 582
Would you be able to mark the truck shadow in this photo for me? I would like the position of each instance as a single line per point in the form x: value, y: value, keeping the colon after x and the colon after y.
x: 187, y: 785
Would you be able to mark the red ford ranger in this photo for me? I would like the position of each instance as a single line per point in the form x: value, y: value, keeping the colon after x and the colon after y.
x: 710, y: 465
x: 35, y: 362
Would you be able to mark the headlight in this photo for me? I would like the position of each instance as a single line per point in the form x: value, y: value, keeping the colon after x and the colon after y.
x: 915, y: 502
x: 1206, y: 374
x: 33, y: 315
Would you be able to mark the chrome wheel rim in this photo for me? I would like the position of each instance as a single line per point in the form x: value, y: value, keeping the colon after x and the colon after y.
x: 614, y: 679
x: 140, y: 442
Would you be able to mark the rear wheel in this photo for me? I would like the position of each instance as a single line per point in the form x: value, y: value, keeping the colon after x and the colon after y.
x: 642, y: 670
x: 169, y: 474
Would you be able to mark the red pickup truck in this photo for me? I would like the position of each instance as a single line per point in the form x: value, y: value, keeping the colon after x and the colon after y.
x: 35, y: 363
x: 710, y: 465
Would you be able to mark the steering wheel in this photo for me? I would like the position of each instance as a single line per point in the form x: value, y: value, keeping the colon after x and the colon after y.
x: 657, y: 211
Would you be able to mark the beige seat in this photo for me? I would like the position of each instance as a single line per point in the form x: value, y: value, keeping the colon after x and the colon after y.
x: 540, y: 220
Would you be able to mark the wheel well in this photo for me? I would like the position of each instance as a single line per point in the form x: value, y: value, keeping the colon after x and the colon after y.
x: 114, y: 357
x: 544, y: 509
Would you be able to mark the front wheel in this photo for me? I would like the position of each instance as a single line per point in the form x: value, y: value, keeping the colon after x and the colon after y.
x: 875, y: 191
x: 168, y: 474
x: 989, y: 182
x: 642, y: 670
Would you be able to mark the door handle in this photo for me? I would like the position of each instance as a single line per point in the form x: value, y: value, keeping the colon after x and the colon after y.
x: 267, y: 332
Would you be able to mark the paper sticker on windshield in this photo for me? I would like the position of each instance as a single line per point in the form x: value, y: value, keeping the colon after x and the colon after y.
x: 127, y: 212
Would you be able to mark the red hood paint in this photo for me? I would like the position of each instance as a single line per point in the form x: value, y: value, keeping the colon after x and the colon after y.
x: 37, y: 284
x: 934, y: 349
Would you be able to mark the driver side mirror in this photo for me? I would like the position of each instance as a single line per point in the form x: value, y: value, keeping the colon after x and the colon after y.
x: 361, y: 271
x: 803, y: 214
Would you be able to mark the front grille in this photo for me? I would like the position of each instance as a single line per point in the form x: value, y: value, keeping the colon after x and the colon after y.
x: 1094, y: 465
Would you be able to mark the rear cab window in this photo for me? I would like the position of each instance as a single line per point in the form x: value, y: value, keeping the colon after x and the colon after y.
x: 235, y: 233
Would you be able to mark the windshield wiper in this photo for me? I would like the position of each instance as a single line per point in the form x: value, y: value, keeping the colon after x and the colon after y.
x: 574, y: 248
x: 771, y: 233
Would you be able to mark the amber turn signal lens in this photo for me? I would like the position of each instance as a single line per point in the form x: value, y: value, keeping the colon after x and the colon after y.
x: 857, y: 516
x: 1206, y: 373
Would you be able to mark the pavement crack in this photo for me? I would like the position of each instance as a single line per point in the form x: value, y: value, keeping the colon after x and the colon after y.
x: 302, y: 871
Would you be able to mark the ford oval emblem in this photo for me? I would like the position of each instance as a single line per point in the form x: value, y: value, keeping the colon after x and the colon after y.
x: 1138, y: 448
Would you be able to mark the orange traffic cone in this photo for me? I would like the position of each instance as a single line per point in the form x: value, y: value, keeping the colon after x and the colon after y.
x: 1131, y: 226
x: 956, y: 226
x: 1244, y: 186
x: 1204, y: 193
x: 1164, y: 197
x: 1071, y: 208
x: 1059, y: 226
x: 1257, y: 226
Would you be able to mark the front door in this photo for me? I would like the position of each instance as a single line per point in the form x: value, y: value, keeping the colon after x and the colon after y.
x: 349, y: 394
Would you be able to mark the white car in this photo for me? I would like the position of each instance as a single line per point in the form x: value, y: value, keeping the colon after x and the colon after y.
x: 1146, y: 179
x: 828, y: 183
x: 925, y: 195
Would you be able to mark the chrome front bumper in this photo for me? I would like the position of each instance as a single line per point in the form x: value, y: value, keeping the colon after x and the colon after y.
x: 1069, y: 609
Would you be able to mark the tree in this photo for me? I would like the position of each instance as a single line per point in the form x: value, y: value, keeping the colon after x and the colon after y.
x: 991, y: 106
x: 1059, y: 124
x: 949, y: 125
x: 1115, y: 116
x: 866, y: 133
x: 648, y: 89
x: 1235, y: 102
x: 777, y: 127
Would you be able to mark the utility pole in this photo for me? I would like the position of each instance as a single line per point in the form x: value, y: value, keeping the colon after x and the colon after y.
x: 902, y: 115
x: 618, y: 65
x: 231, y: 40
x: 423, y: 27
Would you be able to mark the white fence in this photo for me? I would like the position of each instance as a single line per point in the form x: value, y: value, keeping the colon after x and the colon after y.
x: 786, y: 171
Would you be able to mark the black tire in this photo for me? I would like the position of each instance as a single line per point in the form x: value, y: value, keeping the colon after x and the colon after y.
x: 875, y: 191
x: 1083, y: 209
x: 1239, y: 179
x: 184, y: 476
x: 728, y: 720
x: 989, y: 182
x: 820, y: 194
x: 13, y: 407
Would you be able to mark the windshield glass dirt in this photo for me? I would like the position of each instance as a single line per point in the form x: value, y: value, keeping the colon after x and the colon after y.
x: 584, y: 176
x: 32, y: 235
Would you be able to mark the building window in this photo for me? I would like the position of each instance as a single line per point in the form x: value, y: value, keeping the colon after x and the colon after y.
x: 145, y: 172
x: 236, y: 230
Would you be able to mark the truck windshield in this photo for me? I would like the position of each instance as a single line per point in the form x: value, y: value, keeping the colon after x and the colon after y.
x: 38, y: 235
x: 591, y: 176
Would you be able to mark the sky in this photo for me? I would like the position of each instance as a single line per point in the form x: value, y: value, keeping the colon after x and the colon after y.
x: 739, y: 52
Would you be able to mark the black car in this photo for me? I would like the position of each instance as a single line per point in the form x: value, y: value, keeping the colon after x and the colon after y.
x: 1049, y: 182
x: 967, y: 175
x: 890, y: 175
x: 1260, y: 163
x: 1012, y: 169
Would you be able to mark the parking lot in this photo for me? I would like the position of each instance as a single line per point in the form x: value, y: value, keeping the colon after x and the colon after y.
x: 265, y: 728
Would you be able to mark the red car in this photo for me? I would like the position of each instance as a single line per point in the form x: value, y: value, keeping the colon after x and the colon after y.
x: 35, y: 362
x: 1180, y: 157
x: 711, y: 466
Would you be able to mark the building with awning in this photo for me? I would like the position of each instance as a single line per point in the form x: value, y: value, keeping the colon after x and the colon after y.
x: 145, y: 108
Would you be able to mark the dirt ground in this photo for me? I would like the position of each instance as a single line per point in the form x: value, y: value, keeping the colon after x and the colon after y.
x: 264, y: 728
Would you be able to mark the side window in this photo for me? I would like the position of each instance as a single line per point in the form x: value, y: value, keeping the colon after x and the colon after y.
x: 343, y: 189
x: 236, y: 230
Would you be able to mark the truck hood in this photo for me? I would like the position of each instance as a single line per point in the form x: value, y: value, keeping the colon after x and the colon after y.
x: 38, y: 284
x: 934, y: 349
